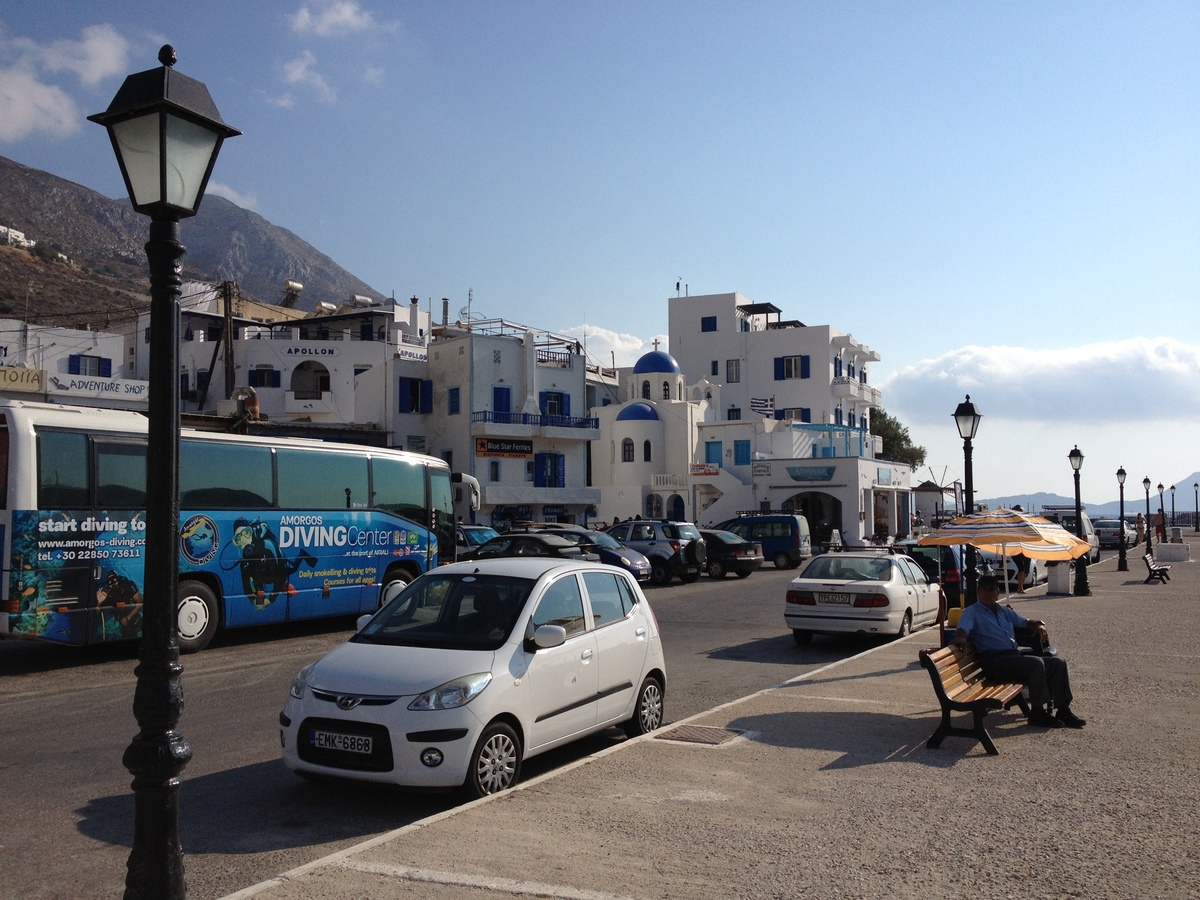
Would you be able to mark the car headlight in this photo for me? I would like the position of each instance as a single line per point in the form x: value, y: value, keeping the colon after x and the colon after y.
x: 300, y: 682
x: 625, y: 562
x: 453, y: 694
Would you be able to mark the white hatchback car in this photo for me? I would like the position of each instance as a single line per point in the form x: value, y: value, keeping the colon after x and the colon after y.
x: 869, y: 592
x: 475, y: 667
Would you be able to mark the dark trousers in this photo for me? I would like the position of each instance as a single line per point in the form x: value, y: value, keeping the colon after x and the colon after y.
x: 1045, y: 676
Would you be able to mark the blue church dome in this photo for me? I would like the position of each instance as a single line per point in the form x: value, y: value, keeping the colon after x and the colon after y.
x: 636, y: 411
x: 656, y: 361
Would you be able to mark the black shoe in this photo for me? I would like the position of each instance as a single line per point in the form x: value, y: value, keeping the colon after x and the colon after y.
x: 1042, y: 719
x: 1069, y: 719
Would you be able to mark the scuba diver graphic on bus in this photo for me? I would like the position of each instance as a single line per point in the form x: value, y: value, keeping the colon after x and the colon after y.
x: 266, y: 572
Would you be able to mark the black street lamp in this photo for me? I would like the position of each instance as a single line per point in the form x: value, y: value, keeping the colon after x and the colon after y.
x: 967, y: 417
x: 1196, y: 489
x: 1172, y: 506
x: 1149, y: 523
x: 166, y: 133
x: 1082, y: 589
x: 1122, y: 560
x: 1162, y: 514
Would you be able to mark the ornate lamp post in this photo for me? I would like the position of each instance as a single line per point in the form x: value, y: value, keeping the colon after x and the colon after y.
x: 1196, y: 490
x: 1172, y: 506
x: 1122, y: 560
x: 166, y: 133
x: 1149, y: 523
x: 1082, y: 589
x: 967, y: 417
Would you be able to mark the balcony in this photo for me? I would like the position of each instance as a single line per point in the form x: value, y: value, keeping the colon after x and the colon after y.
x: 515, y: 424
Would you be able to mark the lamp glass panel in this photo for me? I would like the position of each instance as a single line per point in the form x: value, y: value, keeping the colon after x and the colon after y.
x: 137, y: 142
x: 189, y: 150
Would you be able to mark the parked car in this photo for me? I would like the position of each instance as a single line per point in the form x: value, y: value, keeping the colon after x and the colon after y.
x: 1038, y: 572
x: 424, y: 694
x: 675, y: 549
x: 468, y: 537
x: 729, y: 553
x: 1065, y: 516
x: 532, y: 544
x: 1111, y: 532
x: 945, y: 564
x: 608, y: 548
x: 861, y: 592
x: 785, y: 538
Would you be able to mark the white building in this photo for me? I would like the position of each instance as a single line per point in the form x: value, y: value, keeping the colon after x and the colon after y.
x: 67, y: 365
x: 508, y: 407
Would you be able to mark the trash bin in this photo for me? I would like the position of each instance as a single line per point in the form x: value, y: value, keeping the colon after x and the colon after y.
x: 1059, y: 579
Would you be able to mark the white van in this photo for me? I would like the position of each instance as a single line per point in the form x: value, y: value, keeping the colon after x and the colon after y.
x: 1065, y: 516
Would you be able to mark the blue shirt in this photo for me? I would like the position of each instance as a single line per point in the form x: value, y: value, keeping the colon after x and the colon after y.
x: 991, y: 629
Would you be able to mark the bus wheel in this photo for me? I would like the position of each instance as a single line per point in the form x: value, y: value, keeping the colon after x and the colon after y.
x: 198, y: 616
x: 393, y: 584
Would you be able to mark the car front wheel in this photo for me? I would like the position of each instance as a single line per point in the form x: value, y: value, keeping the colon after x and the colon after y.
x: 648, y: 713
x: 496, y: 762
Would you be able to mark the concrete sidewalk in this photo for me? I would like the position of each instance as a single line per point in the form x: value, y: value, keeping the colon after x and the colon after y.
x: 823, y: 787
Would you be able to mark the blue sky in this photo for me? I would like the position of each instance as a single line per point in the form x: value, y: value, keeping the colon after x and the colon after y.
x: 1001, y: 199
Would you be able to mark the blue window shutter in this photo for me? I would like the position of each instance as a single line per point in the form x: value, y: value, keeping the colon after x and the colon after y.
x: 427, y: 396
x: 275, y: 378
x: 542, y: 402
x: 105, y: 367
x: 805, y: 414
x: 184, y: 378
x: 803, y: 366
x: 73, y: 364
x: 252, y: 378
x: 779, y: 368
x: 779, y: 414
x: 566, y: 404
x: 562, y: 471
x: 404, y: 396
x: 539, y: 470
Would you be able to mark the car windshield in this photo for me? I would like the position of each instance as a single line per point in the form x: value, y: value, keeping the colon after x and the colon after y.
x: 476, y: 536
x: 450, y: 612
x: 848, y: 568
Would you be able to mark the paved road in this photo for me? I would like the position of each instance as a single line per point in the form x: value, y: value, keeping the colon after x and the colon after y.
x: 68, y: 719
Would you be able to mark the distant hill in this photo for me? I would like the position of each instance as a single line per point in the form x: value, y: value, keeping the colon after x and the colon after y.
x: 104, y: 240
x: 1135, y: 499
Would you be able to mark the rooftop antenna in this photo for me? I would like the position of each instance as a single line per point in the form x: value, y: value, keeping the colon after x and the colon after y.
x: 678, y: 281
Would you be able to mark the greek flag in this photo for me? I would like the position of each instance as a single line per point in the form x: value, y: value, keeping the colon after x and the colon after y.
x: 764, y: 406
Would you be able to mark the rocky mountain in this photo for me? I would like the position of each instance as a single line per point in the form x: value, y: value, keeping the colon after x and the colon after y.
x: 103, y: 240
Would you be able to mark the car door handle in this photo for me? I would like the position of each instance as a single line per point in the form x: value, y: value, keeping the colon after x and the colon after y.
x: 586, y: 655
x: 640, y: 632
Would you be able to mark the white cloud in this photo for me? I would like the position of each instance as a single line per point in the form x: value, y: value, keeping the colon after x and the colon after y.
x: 246, y: 201
x: 302, y: 71
x: 332, y: 19
x: 605, y: 346
x: 102, y: 53
x: 27, y: 105
x: 1142, y: 378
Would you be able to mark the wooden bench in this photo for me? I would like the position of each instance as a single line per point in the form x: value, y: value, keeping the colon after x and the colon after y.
x: 1156, y: 570
x: 961, y: 687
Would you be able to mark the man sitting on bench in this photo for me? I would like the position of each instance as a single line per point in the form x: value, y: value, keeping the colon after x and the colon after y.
x: 990, y: 627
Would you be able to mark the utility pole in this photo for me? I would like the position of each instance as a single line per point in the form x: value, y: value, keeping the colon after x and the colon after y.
x: 230, y: 375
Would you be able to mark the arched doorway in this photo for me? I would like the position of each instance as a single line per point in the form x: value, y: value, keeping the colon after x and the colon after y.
x: 310, y: 379
x: 823, y: 511
x: 675, y: 508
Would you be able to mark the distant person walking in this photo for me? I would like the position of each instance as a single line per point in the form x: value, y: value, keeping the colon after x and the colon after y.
x: 1141, y: 528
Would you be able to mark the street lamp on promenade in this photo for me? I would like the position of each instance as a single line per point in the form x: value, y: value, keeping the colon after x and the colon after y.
x: 1082, y: 589
x: 1149, y: 523
x: 166, y: 133
x: 1196, y: 490
x: 1172, y: 506
x: 1162, y: 514
x: 1122, y: 560
x: 967, y: 417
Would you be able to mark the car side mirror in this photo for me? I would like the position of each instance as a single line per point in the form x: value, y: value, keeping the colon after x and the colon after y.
x: 362, y: 621
x: 545, y: 637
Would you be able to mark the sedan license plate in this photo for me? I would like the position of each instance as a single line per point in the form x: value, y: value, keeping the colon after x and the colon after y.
x: 348, y: 743
x: 843, y: 599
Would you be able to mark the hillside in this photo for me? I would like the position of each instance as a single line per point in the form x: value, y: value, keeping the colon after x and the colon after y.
x: 104, y: 240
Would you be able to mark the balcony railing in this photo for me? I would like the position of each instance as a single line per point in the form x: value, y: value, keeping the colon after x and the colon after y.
x: 534, y: 420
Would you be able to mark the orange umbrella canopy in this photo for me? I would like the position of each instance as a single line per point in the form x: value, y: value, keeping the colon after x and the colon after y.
x: 1007, y: 532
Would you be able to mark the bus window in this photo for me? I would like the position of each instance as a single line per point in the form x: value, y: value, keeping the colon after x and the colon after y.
x: 62, y: 470
x: 399, y: 486
x: 441, y: 502
x: 321, y: 480
x: 224, y: 476
x: 3, y: 465
x: 120, y: 475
